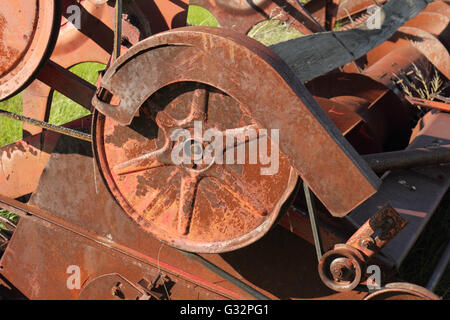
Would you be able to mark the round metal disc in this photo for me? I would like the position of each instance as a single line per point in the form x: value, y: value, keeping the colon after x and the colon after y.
x: 402, y: 291
x: 205, y: 206
x: 27, y: 32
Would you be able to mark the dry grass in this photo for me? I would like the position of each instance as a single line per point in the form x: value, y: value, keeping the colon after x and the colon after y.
x: 421, y: 84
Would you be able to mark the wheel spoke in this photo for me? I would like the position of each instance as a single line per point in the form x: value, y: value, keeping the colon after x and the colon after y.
x: 199, y: 105
x: 147, y: 161
x: 156, y: 203
x: 186, y: 207
x: 164, y: 120
x: 231, y: 135
x: 231, y: 181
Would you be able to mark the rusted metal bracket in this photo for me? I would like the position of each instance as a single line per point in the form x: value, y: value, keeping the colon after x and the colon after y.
x: 341, y: 269
x: 377, y: 231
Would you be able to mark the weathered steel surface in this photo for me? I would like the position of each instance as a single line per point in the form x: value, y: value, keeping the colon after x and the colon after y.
x: 378, y: 231
x: 440, y: 269
x: 296, y: 221
x: 413, y: 193
x: 306, y: 133
x: 433, y: 23
x: 394, y: 64
x: 22, y: 163
x: 91, y: 43
x: 161, y: 15
x: 209, y: 207
x: 241, y: 16
x: 442, y: 7
x: 342, y: 268
x: 24, y: 158
x: 385, y: 124
x: 90, y: 226
x: 414, y: 39
x: 436, y: 105
x: 422, y: 40
x: 27, y: 34
x: 410, y: 158
x: 50, y: 251
x: 315, y: 55
x: 89, y: 229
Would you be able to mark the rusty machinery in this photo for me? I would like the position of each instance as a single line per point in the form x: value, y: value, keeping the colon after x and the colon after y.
x: 104, y: 193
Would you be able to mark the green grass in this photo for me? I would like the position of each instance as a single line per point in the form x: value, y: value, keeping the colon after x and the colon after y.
x: 8, y: 215
x: 11, y: 130
x: 268, y: 32
x: 63, y: 109
x: 198, y: 16
x: 273, y: 31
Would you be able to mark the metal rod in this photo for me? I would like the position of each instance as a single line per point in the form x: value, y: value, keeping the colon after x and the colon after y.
x: 429, y: 104
x: 312, y: 218
x: 45, y: 125
x: 440, y: 269
x: 117, y: 30
x: 225, y: 275
x: 439, y: 97
x: 381, y: 162
x: 68, y: 84
x: 310, y: 16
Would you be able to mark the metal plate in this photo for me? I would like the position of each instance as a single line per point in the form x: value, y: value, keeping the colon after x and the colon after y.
x: 416, y: 38
x: 27, y: 33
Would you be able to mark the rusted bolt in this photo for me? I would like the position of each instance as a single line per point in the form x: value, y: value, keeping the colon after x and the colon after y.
x: 342, y: 269
x: 367, y: 243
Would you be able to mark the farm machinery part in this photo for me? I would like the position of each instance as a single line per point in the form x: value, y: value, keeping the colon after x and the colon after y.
x: 152, y: 209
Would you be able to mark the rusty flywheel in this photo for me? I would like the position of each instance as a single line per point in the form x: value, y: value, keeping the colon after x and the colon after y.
x: 203, y: 205
x: 186, y: 91
x: 23, y: 52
